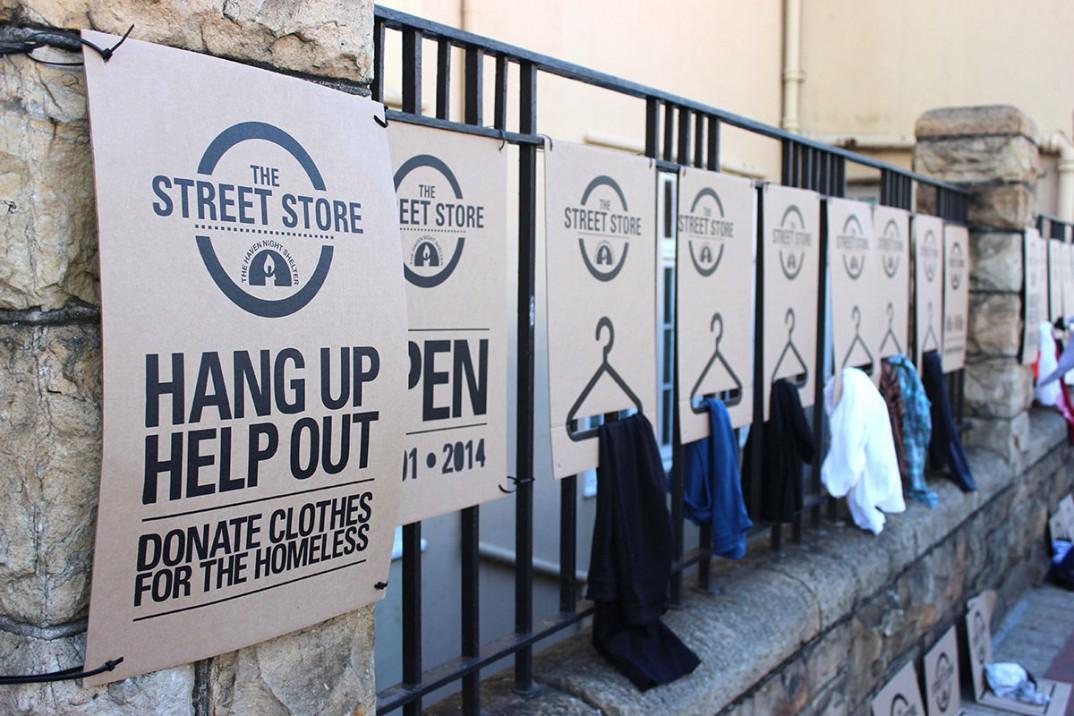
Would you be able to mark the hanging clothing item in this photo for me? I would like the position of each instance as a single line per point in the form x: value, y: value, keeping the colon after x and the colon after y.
x: 916, y: 429
x: 630, y: 565
x: 892, y: 395
x: 1063, y: 402
x: 786, y: 445
x: 1063, y: 365
x: 1047, y: 393
x: 712, y: 485
x: 861, y: 463
x: 945, y: 449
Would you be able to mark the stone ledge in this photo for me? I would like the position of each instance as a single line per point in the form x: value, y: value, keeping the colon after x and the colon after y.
x: 994, y: 119
x: 771, y: 608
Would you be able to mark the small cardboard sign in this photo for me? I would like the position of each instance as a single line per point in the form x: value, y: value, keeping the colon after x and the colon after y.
x: 892, y: 282
x: 1035, y: 253
x: 942, y: 683
x: 714, y: 271
x: 855, y: 270
x: 956, y: 295
x: 979, y: 645
x: 928, y: 284
x: 1055, y: 279
x: 790, y: 255
x: 452, y: 196
x: 253, y: 316
x: 901, y: 696
x: 600, y: 234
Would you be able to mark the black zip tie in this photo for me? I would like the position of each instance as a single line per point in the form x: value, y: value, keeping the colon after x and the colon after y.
x: 75, y: 672
x: 517, y: 481
x: 380, y: 585
x: 548, y: 141
x: 107, y: 52
x: 503, y: 139
x: 60, y: 41
x: 382, y: 122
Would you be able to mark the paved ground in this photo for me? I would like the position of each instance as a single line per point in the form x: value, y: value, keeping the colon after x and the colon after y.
x: 1038, y: 633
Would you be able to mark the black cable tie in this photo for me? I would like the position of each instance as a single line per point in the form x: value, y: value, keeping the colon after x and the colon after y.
x: 382, y: 122
x: 107, y: 52
x: 503, y: 139
x: 380, y: 585
x: 517, y: 481
x: 75, y: 672
x: 548, y: 141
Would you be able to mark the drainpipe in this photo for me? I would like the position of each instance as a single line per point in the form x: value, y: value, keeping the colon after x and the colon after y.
x: 1058, y: 143
x: 792, y: 63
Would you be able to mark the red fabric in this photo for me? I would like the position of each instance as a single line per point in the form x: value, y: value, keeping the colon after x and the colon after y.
x: 1066, y: 407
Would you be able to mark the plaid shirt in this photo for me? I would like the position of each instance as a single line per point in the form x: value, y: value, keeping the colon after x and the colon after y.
x: 916, y: 427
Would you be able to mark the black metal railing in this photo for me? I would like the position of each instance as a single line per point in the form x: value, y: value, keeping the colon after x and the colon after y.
x: 678, y: 132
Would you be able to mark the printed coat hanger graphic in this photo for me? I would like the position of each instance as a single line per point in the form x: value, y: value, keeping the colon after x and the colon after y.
x: 866, y: 367
x: 604, y: 369
x: 931, y: 332
x: 890, y: 335
x: 802, y: 377
x: 734, y: 395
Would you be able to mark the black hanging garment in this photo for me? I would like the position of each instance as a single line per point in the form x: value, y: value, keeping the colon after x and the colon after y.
x: 630, y: 566
x: 786, y: 445
x: 945, y: 447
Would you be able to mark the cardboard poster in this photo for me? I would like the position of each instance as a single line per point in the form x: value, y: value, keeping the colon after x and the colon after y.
x: 1035, y: 303
x: 790, y: 253
x: 714, y: 306
x: 892, y: 227
x: 928, y: 284
x: 942, y: 684
x: 979, y: 643
x: 901, y: 696
x: 253, y: 318
x: 600, y: 234
x: 1055, y: 279
x: 855, y: 271
x: 956, y: 296
x: 452, y: 197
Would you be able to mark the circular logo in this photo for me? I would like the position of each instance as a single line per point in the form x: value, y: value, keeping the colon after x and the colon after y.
x: 891, y: 246
x: 956, y: 264
x: 853, y: 245
x: 943, y: 686
x: 270, y: 261
x: 979, y: 642
x: 434, y: 219
x: 604, y: 226
x: 929, y: 254
x: 900, y: 706
x: 707, y: 230
x: 791, y: 237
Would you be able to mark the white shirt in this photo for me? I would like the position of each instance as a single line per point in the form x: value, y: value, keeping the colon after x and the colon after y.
x: 861, y: 463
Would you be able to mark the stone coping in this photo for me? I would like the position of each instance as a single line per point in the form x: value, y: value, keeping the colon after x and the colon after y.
x: 765, y: 608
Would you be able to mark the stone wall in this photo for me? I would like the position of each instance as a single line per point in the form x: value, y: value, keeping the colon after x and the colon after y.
x: 50, y: 388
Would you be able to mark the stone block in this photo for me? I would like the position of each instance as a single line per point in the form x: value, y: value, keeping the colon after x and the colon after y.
x: 1005, y: 206
x: 1006, y: 437
x: 997, y: 387
x: 48, y: 239
x: 162, y: 693
x: 328, y: 38
x: 995, y: 324
x: 978, y: 159
x: 980, y: 120
x: 996, y: 258
x: 325, y: 669
x: 50, y: 423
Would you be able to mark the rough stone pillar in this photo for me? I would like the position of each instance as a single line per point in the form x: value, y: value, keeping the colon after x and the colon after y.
x: 992, y: 152
x: 50, y: 389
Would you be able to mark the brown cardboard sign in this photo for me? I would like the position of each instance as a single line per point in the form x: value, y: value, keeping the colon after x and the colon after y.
x: 714, y: 270
x: 892, y: 281
x: 901, y: 696
x: 942, y: 683
x: 1035, y: 281
x: 979, y: 646
x: 452, y: 194
x: 956, y: 296
x: 791, y: 259
x: 600, y: 235
x: 857, y: 303
x: 1055, y: 279
x: 253, y: 316
x: 928, y: 284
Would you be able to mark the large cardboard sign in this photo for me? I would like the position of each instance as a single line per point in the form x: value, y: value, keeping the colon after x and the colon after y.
x: 901, y: 696
x: 1055, y: 279
x: 1035, y: 253
x: 253, y: 318
x: 452, y: 194
x: 714, y: 269
x: 956, y: 295
x: 854, y: 268
x: 928, y: 284
x: 892, y: 282
x: 791, y: 258
x: 942, y: 684
x: 979, y: 643
x: 600, y: 234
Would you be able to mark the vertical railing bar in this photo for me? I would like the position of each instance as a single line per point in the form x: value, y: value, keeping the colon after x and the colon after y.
x: 377, y: 87
x: 699, y: 140
x: 825, y: 173
x: 475, y: 80
x: 412, y: 613
x: 527, y: 222
x: 683, y: 153
x: 819, y: 370
x: 443, y: 79
x: 412, y: 71
x: 712, y: 159
x: 568, y: 543
x: 669, y: 130
x: 652, y: 127
x: 499, y: 118
x: 785, y: 163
